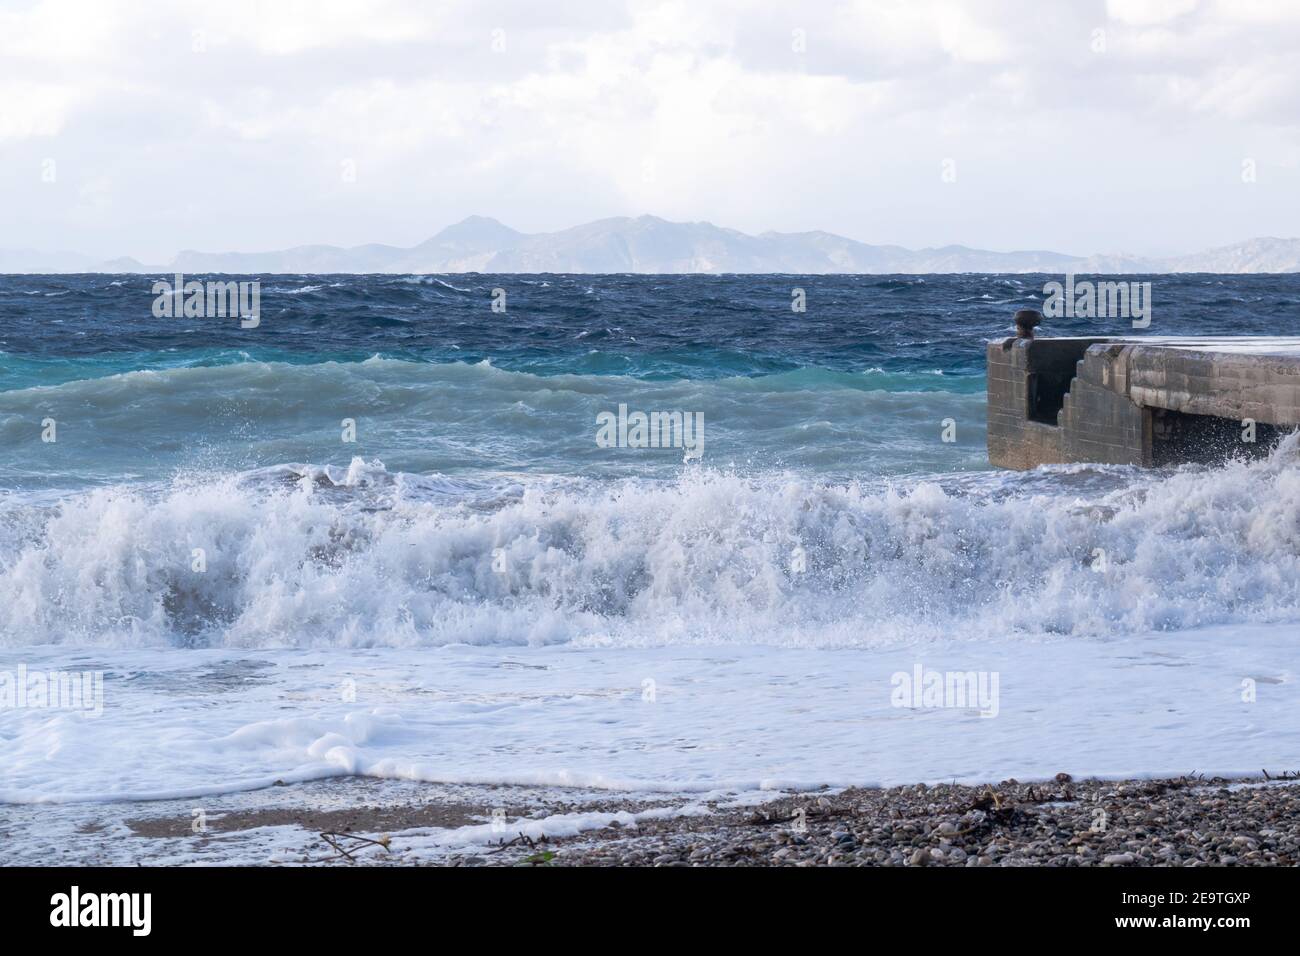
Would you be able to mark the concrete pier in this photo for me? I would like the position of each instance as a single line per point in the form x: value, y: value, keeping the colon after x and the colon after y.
x: 1139, y: 401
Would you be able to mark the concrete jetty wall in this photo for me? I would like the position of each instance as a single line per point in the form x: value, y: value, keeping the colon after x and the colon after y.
x: 1139, y: 401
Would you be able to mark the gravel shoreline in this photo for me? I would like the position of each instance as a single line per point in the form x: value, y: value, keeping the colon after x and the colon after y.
x: 347, y: 821
x: 1176, y: 822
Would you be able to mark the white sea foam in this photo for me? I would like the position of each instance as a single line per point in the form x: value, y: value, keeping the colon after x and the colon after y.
x: 361, y: 557
x: 432, y: 280
x: 297, y: 291
x: 197, y: 723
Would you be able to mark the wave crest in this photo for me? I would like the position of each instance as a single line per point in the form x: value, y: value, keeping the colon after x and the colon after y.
x: 364, y: 557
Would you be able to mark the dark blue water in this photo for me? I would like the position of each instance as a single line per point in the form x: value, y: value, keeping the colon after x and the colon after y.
x: 53, y: 328
x: 438, y: 382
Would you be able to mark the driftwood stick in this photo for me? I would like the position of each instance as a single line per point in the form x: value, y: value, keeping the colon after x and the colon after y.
x: 333, y: 838
x: 342, y: 852
x: 522, y: 838
x: 382, y: 841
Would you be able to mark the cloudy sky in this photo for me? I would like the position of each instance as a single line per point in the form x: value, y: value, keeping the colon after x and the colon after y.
x: 143, y: 127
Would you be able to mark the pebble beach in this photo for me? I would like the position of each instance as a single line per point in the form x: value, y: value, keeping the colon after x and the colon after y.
x: 1178, y: 822
x: 1186, y: 821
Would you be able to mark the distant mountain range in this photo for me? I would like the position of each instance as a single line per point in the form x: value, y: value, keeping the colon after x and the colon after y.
x: 648, y: 244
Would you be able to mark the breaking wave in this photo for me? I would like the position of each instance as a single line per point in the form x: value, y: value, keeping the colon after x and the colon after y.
x: 309, y: 556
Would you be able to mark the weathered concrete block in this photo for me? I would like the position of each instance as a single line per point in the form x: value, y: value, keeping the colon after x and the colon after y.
x: 1137, y: 401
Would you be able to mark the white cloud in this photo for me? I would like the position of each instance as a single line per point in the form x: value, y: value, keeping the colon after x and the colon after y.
x: 286, y: 27
x: 1148, y: 12
x: 175, y: 116
x: 33, y: 110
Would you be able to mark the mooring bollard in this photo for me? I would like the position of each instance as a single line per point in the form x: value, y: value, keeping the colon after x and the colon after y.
x: 1026, y: 321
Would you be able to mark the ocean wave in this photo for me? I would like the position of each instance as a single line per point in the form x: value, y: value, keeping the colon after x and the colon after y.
x: 429, y: 280
x: 362, y: 557
x: 231, y: 371
x: 460, y: 416
x: 298, y: 290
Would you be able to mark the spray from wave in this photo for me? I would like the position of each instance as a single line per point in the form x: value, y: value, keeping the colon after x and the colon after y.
x: 300, y: 556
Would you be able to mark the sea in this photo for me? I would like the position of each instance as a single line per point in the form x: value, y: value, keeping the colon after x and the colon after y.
x: 412, y: 527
